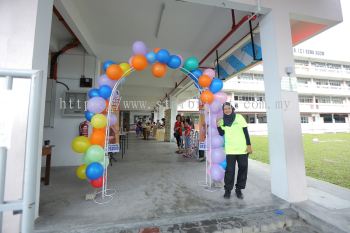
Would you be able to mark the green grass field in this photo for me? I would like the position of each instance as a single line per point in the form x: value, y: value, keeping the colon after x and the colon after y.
x: 327, y: 160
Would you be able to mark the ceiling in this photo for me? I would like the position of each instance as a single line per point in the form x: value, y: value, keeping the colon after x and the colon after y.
x: 108, y: 28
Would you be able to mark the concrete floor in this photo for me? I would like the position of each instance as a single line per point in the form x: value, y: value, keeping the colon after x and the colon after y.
x: 157, y: 187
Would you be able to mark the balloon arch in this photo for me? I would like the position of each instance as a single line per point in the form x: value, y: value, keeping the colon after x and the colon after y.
x: 100, y: 115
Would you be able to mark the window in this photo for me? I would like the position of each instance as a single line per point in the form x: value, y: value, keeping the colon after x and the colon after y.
x: 346, y: 67
x: 244, y: 97
x: 303, y: 81
x: 335, y: 83
x: 262, y: 118
x: 259, y: 77
x: 338, y: 100
x: 246, y: 76
x: 260, y: 97
x: 348, y: 83
x: 305, y: 99
x: 327, y: 118
x: 339, y: 118
x: 304, y: 119
x: 334, y: 66
x: 301, y: 63
x: 321, y: 82
x: 323, y: 99
x: 319, y: 64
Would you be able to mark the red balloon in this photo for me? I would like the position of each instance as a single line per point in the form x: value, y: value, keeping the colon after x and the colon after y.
x: 97, y: 183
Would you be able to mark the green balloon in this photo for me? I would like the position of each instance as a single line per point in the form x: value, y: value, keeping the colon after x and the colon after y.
x: 95, y: 153
x: 191, y: 63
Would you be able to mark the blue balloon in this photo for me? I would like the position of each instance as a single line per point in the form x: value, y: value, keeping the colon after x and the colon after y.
x: 223, y: 164
x: 107, y: 63
x: 197, y: 73
x: 94, y: 171
x: 151, y: 57
x: 216, y: 85
x: 105, y: 91
x: 163, y: 56
x: 174, y: 62
x: 93, y: 93
x: 89, y: 115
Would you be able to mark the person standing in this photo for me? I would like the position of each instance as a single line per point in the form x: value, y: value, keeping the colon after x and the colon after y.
x: 178, y: 132
x: 237, y: 148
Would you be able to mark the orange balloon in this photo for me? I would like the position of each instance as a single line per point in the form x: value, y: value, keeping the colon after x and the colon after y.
x: 159, y: 70
x: 139, y: 62
x: 207, y: 97
x: 156, y: 50
x: 204, y: 81
x: 98, y: 138
x: 114, y: 72
x: 99, y: 129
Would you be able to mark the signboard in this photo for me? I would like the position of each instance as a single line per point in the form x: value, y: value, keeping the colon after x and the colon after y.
x: 202, y: 127
x: 114, y: 130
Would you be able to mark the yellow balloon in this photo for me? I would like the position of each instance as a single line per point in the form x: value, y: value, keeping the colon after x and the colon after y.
x: 99, y: 121
x: 80, y: 144
x: 125, y: 67
x: 80, y: 172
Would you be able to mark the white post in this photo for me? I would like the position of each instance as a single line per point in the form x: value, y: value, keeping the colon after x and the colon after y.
x: 283, y: 117
x: 173, y: 107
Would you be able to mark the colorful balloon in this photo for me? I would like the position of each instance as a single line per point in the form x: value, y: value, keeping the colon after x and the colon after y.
x: 114, y: 72
x: 139, y: 47
x: 88, y: 115
x: 97, y: 183
x: 81, y: 172
x: 163, y: 56
x: 139, y: 62
x: 174, y: 62
x: 217, y: 173
x: 197, y: 73
x: 151, y: 57
x: 221, y: 97
x: 207, y: 97
x: 215, y: 106
x: 94, y: 170
x: 217, y: 141
x: 217, y: 155
x: 80, y: 144
x: 95, y: 153
x: 204, y: 81
x: 96, y: 105
x: 216, y: 85
x: 223, y: 164
x: 106, y: 64
x: 156, y: 50
x: 98, y: 138
x: 105, y: 91
x: 191, y: 63
x: 104, y: 80
x: 99, y: 121
x: 93, y: 93
x: 159, y: 69
x: 209, y: 72
x: 125, y: 68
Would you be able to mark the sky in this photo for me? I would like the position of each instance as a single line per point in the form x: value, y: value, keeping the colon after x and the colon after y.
x: 335, y: 42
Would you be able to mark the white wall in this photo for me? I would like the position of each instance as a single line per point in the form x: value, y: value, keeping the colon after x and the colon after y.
x: 70, y: 68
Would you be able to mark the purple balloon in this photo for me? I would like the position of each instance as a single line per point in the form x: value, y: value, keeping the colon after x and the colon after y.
x: 96, y: 105
x: 217, y: 141
x: 218, y: 155
x: 220, y: 114
x: 214, y: 131
x: 104, y: 80
x: 221, y: 97
x: 215, y: 107
x: 209, y: 72
x: 139, y: 48
x: 112, y: 119
x: 217, y: 172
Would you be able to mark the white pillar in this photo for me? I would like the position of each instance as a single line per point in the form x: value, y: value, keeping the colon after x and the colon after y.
x: 24, y: 44
x: 288, y: 179
x: 173, y: 107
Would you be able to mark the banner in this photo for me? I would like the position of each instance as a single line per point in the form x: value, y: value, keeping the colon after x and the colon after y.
x: 202, y: 127
x: 114, y: 130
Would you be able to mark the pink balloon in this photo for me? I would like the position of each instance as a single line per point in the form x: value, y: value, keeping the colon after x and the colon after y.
x: 221, y: 97
x: 217, y: 141
x: 209, y: 72
x: 218, y: 155
x: 181, y: 58
x: 130, y: 60
x: 216, y: 106
x: 217, y: 172
x: 139, y: 47
x: 104, y: 80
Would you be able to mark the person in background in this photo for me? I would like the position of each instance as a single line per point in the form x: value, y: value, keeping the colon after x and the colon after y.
x: 178, y: 132
x: 187, y: 137
x: 147, y: 131
x: 138, y: 128
x: 237, y: 148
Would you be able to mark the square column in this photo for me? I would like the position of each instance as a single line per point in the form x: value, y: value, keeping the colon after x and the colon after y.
x: 286, y: 151
x: 173, y: 107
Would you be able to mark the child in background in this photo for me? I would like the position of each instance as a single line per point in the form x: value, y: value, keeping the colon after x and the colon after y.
x: 187, y: 136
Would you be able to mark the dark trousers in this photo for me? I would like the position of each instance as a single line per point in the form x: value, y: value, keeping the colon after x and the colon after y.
x: 242, y: 161
x: 178, y: 141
